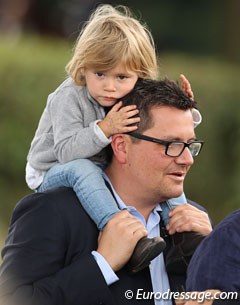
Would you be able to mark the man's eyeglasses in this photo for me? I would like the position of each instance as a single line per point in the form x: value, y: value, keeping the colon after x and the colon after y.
x: 173, y: 148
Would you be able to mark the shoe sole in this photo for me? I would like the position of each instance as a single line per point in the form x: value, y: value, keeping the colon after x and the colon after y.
x: 158, y: 249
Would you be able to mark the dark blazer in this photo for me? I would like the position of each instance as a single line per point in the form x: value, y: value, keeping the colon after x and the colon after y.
x: 47, y: 258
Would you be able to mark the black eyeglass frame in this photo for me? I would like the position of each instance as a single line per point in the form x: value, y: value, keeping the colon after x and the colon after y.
x: 166, y: 143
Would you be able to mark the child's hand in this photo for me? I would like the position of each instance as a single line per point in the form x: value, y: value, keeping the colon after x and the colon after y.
x: 186, y: 87
x: 118, y: 119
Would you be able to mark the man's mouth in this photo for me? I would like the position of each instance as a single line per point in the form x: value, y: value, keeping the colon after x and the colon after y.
x: 178, y: 175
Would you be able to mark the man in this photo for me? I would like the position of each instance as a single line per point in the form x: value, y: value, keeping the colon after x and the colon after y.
x: 53, y: 255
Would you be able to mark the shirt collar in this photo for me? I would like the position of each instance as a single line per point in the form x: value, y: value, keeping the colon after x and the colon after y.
x: 121, y: 203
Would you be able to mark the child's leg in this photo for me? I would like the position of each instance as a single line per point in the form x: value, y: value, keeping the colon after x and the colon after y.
x: 168, y: 205
x: 86, y: 179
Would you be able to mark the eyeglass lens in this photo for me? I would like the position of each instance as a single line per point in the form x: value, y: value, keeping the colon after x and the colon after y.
x: 175, y: 149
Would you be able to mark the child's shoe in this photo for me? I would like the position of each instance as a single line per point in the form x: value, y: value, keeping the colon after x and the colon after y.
x: 145, y: 251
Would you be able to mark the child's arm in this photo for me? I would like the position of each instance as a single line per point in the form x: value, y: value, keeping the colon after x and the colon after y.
x: 186, y: 86
x: 118, y: 120
x: 75, y: 130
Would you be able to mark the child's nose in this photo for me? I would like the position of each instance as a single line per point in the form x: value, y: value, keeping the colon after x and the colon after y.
x: 110, y: 85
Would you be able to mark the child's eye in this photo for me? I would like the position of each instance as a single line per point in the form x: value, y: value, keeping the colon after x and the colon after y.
x: 121, y: 77
x: 99, y: 74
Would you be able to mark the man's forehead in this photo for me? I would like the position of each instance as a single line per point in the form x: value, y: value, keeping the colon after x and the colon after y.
x: 173, y: 122
x: 168, y: 111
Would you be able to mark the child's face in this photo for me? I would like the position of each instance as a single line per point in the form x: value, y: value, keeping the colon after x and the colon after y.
x: 106, y: 87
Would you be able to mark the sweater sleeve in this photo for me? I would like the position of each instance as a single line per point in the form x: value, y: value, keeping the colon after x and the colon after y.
x: 75, y: 130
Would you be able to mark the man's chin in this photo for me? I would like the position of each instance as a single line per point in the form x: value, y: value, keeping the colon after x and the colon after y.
x: 169, y: 193
x: 176, y: 194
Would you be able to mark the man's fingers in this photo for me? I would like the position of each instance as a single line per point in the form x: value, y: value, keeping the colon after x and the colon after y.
x: 186, y: 217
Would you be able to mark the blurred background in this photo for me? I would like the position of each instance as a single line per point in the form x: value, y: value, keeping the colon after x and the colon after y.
x: 198, y: 38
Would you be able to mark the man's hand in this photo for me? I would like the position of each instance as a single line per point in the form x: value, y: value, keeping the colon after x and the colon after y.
x: 186, y: 217
x: 119, y: 238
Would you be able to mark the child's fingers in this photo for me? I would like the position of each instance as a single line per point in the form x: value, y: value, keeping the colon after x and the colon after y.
x: 185, y: 83
x: 132, y: 121
x: 130, y: 128
x: 131, y: 113
x: 182, y: 78
x: 186, y: 86
x: 128, y: 108
x: 116, y: 107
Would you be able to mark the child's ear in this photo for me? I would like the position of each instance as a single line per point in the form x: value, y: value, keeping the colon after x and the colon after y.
x: 82, y: 76
x: 82, y: 73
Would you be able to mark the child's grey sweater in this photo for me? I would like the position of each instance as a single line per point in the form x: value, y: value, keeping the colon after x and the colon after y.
x: 68, y: 128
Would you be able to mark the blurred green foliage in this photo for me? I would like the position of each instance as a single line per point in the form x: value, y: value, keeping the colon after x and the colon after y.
x: 33, y: 67
x: 29, y: 70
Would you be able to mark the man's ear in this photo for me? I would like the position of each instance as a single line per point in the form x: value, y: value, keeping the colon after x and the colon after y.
x: 119, y: 147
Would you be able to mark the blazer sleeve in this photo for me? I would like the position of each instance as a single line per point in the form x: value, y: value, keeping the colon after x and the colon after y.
x: 40, y: 265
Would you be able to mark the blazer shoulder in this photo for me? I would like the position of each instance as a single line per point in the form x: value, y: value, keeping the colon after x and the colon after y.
x: 56, y: 201
x: 197, y: 205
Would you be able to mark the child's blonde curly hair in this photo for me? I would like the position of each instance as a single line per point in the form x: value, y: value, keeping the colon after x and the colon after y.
x: 112, y: 36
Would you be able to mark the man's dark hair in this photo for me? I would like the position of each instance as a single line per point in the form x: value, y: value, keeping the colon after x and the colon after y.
x: 153, y: 93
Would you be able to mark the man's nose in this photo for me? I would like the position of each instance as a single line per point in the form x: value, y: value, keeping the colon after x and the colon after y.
x: 185, y: 158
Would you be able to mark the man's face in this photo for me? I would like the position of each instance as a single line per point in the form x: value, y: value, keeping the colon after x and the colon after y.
x: 152, y: 170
